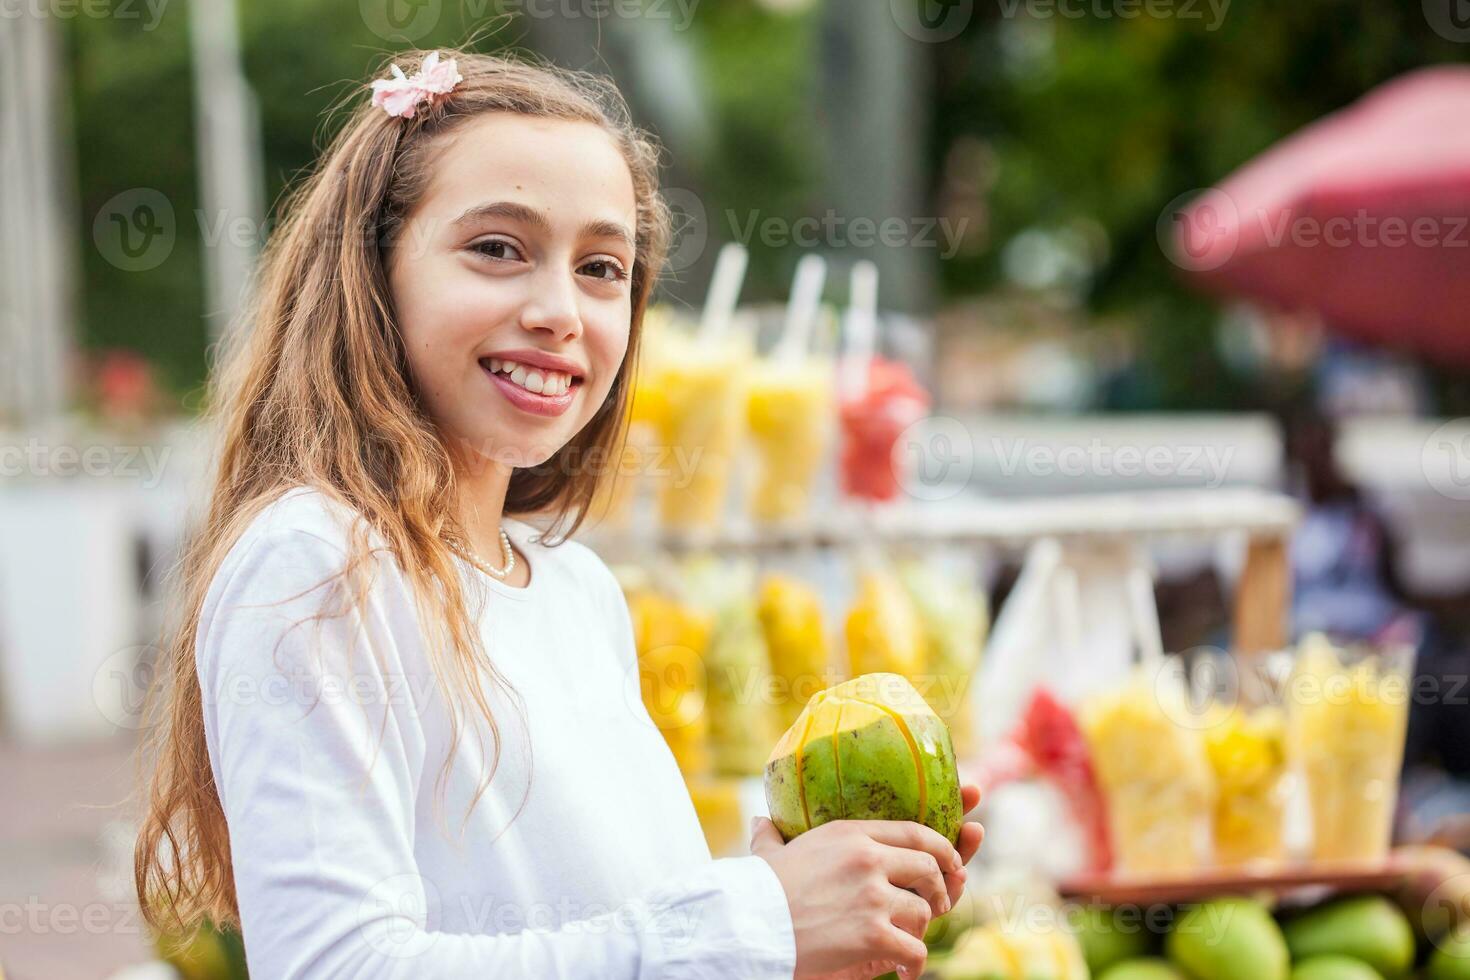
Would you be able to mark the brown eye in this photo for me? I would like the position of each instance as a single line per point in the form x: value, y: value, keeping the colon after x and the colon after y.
x: 604, y: 269
x: 496, y: 248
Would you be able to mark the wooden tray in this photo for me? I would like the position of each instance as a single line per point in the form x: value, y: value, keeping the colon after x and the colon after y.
x: 1110, y: 890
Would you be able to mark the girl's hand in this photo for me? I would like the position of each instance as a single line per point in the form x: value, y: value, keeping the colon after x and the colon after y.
x: 862, y: 892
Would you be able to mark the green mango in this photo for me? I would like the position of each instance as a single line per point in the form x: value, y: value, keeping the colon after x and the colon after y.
x: 867, y: 749
x: 1451, y: 958
x: 1106, y: 939
x: 1145, y: 968
x: 1229, y: 939
x: 1333, y: 968
x: 1366, y: 927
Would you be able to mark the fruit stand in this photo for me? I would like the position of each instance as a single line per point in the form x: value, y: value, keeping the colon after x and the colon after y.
x: 1238, y: 802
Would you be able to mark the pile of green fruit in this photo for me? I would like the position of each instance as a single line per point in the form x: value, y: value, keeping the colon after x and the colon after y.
x: 1361, y: 937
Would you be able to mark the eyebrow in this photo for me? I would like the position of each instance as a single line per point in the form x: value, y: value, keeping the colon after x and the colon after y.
x: 512, y: 211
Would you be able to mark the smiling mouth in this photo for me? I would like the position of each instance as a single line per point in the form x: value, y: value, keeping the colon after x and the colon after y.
x: 537, y: 381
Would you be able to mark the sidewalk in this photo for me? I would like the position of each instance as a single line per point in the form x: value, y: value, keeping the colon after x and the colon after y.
x: 66, y: 837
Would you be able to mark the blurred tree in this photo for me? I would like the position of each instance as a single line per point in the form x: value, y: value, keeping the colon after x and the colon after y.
x: 1070, y: 116
x: 132, y: 116
x: 1057, y: 133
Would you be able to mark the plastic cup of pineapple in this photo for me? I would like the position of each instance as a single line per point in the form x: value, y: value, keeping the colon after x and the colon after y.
x: 1347, y: 712
x: 702, y: 393
x: 1248, y: 755
x: 1154, y: 773
x: 1244, y: 726
x: 789, y: 412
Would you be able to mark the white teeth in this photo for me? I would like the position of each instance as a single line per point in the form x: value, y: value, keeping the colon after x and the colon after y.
x: 549, y: 383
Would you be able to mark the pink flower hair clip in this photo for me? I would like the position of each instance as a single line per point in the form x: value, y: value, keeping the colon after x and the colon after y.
x: 401, y: 95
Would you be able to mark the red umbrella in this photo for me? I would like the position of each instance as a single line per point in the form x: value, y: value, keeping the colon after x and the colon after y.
x: 1363, y: 216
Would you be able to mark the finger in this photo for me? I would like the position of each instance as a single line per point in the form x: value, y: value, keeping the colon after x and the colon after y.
x: 907, y: 953
x: 954, y: 886
x: 971, y: 834
x: 918, y: 872
x: 969, y: 797
x: 910, y: 912
x: 914, y: 836
x: 764, y: 837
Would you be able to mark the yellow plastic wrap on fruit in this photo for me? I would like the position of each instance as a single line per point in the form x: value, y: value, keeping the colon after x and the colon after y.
x: 737, y: 669
x: 789, y: 413
x: 882, y: 629
x: 1016, y: 951
x: 671, y: 641
x: 796, y: 640
x: 1345, y: 736
x: 1247, y: 752
x: 1154, y: 773
x: 699, y: 392
x: 1049, y: 952
x: 982, y: 951
x: 954, y: 616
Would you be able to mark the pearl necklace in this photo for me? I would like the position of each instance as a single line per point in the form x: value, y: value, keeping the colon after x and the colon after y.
x: 505, y: 550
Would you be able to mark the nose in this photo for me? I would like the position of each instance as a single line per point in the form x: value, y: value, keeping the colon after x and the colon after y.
x: 552, y: 306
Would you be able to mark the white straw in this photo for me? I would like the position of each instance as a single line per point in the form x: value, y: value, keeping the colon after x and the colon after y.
x: 861, y: 328
x: 724, y: 291
x: 1146, y: 618
x: 801, y: 309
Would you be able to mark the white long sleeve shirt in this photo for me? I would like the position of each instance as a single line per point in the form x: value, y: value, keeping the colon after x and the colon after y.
x: 356, y: 857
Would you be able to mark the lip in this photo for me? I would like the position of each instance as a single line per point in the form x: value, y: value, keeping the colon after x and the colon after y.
x: 531, y: 357
x: 548, y: 406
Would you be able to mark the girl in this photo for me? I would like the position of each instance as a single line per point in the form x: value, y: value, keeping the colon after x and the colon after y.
x: 404, y: 736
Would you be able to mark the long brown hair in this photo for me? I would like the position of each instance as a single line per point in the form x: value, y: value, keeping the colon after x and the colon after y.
x: 317, y: 393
